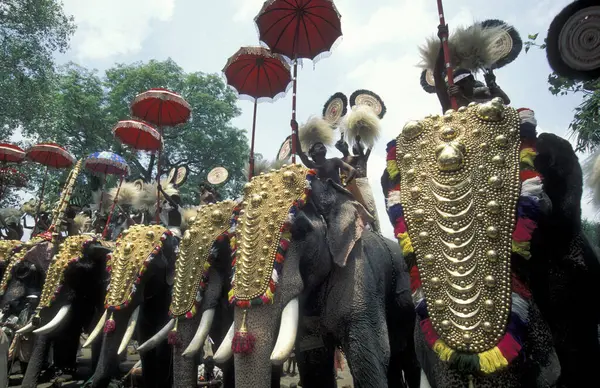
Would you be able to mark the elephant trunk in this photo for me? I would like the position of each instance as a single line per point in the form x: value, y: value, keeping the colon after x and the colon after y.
x: 254, y: 369
x: 185, y: 368
x: 38, y: 356
x: 108, y: 363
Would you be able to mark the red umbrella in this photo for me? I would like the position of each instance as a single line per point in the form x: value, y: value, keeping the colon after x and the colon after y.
x: 161, y: 107
x: 138, y: 135
x: 299, y: 29
x: 50, y: 155
x: 258, y: 74
x: 11, y: 153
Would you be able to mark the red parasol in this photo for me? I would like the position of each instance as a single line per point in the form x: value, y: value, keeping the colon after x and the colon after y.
x: 11, y: 153
x: 138, y: 135
x: 50, y: 155
x: 161, y: 107
x: 299, y: 29
x: 257, y: 73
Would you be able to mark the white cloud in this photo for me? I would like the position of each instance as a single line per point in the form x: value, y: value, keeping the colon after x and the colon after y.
x: 246, y: 10
x: 106, y: 28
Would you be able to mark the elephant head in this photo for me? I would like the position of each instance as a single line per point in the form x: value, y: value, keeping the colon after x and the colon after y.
x: 7, y: 248
x: 202, y: 273
x: 73, y: 290
x: 293, y: 231
x: 139, y: 293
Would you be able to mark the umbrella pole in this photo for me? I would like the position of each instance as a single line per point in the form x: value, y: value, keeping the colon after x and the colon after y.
x: 102, y: 194
x: 294, y: 109
x: 446, y: 49
x: 251, y: 161
x: 112, y: 209
x: 39, y: 206
x: 157, y: 215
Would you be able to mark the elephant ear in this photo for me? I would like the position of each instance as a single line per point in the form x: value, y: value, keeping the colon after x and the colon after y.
x: 345, y: 225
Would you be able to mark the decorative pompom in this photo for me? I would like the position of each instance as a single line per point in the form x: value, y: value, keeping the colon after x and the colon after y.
x: 109, y: 326
x: 362, y: 121
x: 174, y: 339
x: 316, y: 130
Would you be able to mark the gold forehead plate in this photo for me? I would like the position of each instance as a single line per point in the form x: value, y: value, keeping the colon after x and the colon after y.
x: 14, y: 259
x: 267, y: 202
x: 211, y: 222
x: 70, y: 249
x: 460, y: 186
x: 134, y: 247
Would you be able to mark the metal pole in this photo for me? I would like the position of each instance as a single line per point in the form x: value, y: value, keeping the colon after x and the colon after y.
x: 446, y: 49
x: 251, y: 161
x: 294, y: 109
x: 39, y: 206
x: 112, y: 209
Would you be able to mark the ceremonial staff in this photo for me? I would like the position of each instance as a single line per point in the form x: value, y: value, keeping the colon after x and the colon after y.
x: 444, y: 37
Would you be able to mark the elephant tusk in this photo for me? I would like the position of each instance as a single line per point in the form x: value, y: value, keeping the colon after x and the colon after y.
x: 201, y: 334
x: 27, y: 329
x: 130, y: 329
x: 53, y: 324
x: 424, y: 382
x: 287, y: 333
x: 157, y: 338
x: 96, y: 330
x: 224, y: 352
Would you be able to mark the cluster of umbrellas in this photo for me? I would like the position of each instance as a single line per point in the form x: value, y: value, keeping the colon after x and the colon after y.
x: 292, y: 30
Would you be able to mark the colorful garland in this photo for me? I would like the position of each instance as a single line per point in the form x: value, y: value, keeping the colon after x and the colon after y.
x: 284, y: 242
x: 510, y: 345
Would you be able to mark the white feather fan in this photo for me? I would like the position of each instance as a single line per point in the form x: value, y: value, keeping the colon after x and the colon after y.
x: 316, y: 130
x: 362, y: 121
x: 591, y: 173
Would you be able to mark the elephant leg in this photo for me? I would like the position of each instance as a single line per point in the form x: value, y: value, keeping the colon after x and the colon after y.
x: 316, y: 366
x: 66, y: 345
x: 35, y: 365
x: 367, y: 349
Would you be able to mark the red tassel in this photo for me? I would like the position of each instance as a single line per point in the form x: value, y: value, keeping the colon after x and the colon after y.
x: 110, y: 325
x: 243, y: 342
x: 174, y: 339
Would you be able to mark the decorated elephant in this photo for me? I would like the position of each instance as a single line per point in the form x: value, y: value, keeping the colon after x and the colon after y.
x: 303, y: 254
x: 138, y: 297
x: 73, y: 293
x: 488, y: 217
x: 200, y: 303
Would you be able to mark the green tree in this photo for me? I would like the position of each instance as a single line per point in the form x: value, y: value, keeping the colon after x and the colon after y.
x: 84, y: 107
x: 586, y: 121
x: 30, y: 32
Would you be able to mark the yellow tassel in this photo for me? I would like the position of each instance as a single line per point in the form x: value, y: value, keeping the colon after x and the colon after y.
x: 527, y: 156
x: 522, y: 248
x: 392, y: 169
x: 269, y: 295
x: 442, y: 350
x: 492, y: 360
x: 405, y: 243
x: 230, y: 293
x: 206, y: 265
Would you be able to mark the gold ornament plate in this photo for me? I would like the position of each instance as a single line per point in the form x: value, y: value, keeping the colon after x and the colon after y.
x: 70, y: 249
x: 6, y: 246
x: 210, y: 222
x: 460, y: 175
x: 133, y: 248
x: 267, y: 202
x: 14, y: 259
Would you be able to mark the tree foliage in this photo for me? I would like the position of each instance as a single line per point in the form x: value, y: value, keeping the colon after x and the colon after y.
x: 586, y: 120
x: 84, y: 106
x: 30, y: 32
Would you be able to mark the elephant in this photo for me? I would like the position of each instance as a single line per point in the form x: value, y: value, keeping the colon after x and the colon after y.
x: 138, y: 297
x: 521, y: 332
x: 72, y: 295
x: 303, y: 254
x: 199, y: 305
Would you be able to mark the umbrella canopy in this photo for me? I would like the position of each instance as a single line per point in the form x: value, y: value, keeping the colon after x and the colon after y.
x: 257, y: 73
x: 161, y: 107
x: 11, y: 153
x: 50, y: 155
x: 138, y: 135
x: 107, y: 163
x: 299, y: 28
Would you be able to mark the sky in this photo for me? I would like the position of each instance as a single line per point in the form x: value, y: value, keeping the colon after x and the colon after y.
x: 378, y: 52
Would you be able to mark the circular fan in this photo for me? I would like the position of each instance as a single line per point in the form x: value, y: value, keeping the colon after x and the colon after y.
x: 285, y: 151
x: 139, y: 184
x: 178, y: 175
x: 367, y: 97
x: 508, y: 45
x: 427, y: 82
x: 217, y: 175
x: 573, y: 43
x: 335, y: 108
